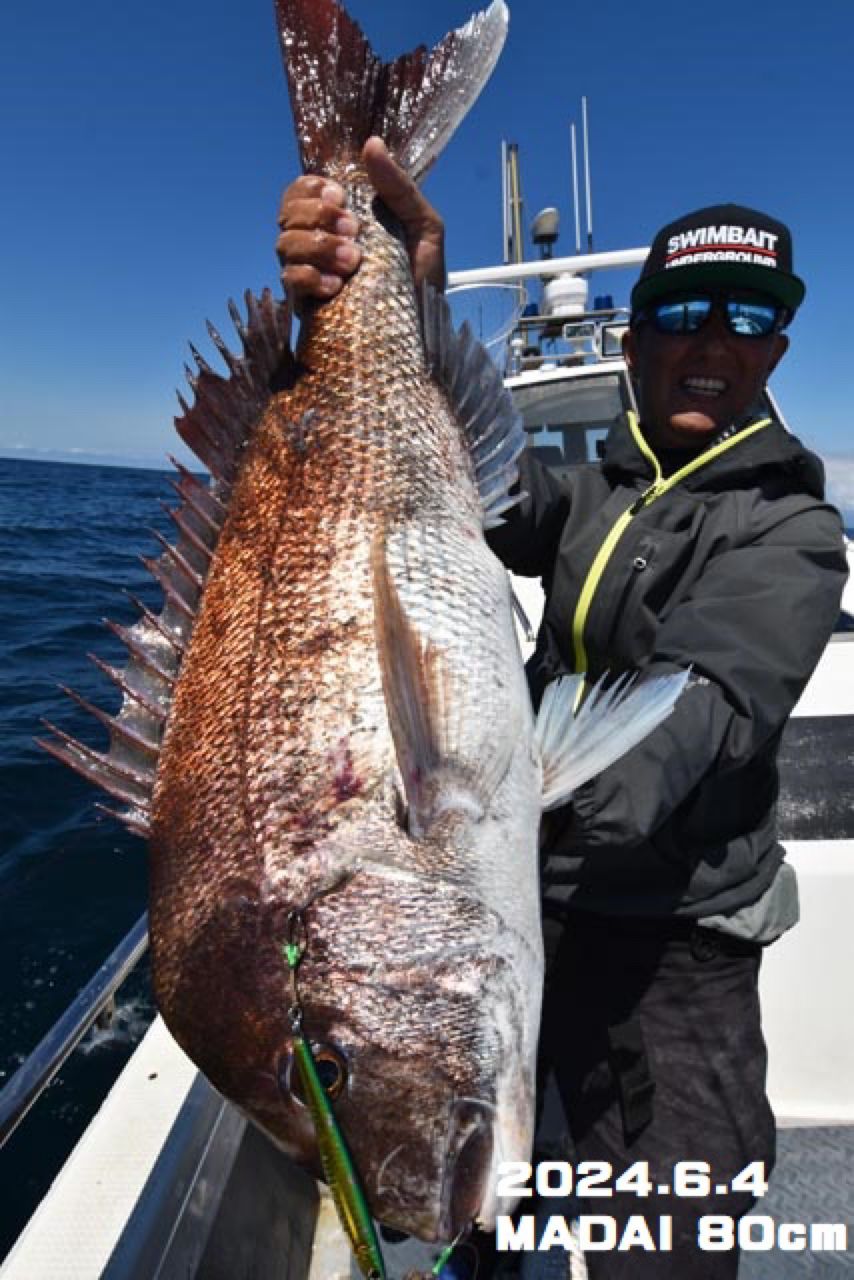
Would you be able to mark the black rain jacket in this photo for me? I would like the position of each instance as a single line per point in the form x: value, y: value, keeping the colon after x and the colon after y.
x: 735, y: 573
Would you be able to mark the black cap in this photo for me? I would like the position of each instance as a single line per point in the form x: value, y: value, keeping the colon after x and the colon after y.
x: 725, y: 244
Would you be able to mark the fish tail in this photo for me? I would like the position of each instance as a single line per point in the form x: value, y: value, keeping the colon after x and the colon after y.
x: 342, y: 93
x: 577, y: 742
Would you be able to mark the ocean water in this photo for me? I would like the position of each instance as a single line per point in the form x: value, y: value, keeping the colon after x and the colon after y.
x: 72, y: 880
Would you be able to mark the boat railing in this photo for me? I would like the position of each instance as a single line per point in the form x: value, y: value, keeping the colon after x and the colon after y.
x: 614, y: 259
x: 35, y: 1074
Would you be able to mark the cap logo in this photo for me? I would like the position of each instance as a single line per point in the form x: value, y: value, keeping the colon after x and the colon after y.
x: 726, y: 244
x: 732, y: 244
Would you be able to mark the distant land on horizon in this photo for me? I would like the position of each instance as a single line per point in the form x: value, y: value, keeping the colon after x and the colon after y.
x: 90, y: 458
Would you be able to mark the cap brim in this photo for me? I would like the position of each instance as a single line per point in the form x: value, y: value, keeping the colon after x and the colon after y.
x: 787, y: 289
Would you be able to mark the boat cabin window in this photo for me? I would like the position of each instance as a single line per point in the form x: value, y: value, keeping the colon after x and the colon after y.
x: 565, y: 418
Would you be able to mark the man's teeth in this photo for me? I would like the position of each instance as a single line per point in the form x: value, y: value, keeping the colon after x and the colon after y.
x: 705, y: 386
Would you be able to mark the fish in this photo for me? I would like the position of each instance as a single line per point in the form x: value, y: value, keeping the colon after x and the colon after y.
x: 329, y: 720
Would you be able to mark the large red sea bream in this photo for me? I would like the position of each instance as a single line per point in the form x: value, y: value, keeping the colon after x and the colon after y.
x: 330, y: 715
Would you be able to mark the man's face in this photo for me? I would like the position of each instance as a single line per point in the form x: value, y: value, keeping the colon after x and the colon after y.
x: 694, y: 385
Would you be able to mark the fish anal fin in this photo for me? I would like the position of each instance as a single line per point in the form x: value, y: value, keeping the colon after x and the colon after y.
x: 488, y: 420
x: 577, y: 740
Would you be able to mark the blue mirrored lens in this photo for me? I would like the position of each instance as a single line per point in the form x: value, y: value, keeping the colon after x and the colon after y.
x: 682, y: 317
x: 744, y: 317
x: 751, y: 319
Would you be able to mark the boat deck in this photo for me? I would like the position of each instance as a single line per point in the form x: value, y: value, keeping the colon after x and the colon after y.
x: 813, y: 1182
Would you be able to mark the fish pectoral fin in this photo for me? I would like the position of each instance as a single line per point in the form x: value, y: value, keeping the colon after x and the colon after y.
x: 578, y: 742
x: 445, y: 767
x: 414, y: 687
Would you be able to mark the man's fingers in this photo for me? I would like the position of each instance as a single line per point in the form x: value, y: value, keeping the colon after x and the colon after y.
x: 307, y: 282
x: 337, y: 254
x: 315, y: 264
x: 316, y: 246
x: 312, y: 214
x: 311, y: 186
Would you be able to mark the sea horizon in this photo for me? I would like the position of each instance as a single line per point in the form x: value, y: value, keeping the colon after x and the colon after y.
x: 839, y: 468
x: 92, y: 458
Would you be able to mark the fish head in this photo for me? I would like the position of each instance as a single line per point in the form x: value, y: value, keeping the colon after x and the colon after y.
x: 417, y: 1018
x: 426, y: 1123
x: 421, y: 1012
x: 426, y: 1051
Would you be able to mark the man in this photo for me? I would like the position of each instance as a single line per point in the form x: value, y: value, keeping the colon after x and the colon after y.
x: 702, y: 542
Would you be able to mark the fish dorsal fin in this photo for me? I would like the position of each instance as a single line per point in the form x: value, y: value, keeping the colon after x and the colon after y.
x: 227, y: 409
x: 482, y: 405
x: 217, y: 428
x: 342, y: 93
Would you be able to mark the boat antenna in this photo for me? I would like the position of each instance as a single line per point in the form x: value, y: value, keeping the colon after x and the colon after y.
x: 575, y: 205
x: 505, y: 204
x: 587, y: 176
x: 515, y: 203
x: 514, y: 246
x: 511, y: 192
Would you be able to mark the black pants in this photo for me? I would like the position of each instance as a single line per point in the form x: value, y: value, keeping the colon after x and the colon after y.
x: 654, y: 1037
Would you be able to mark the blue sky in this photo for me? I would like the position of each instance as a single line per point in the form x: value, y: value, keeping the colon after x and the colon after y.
x: 143, y: 151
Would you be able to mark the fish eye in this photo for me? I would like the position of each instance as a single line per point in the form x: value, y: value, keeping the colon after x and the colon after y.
x: 331, y: 1067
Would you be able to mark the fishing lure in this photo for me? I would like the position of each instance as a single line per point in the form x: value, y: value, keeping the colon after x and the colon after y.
x: 338, y: 1168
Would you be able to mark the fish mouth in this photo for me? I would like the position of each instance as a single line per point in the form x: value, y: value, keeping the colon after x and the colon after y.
x: 468, y: 1166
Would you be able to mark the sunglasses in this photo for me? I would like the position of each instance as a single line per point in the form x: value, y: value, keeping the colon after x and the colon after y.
x: 746, y: 317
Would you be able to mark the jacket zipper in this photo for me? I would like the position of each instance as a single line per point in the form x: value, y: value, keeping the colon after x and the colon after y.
x: 659, y: 486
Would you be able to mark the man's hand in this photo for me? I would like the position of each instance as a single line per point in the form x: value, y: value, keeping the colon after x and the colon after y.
x: 317, y: 248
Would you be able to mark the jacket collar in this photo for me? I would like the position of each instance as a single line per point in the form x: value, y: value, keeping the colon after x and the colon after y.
x: 773, y: 448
